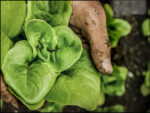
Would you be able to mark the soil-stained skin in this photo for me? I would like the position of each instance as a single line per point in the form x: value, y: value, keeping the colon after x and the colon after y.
x: 92, y: 23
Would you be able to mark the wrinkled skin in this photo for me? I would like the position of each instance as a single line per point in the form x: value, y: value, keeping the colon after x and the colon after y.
x: 89, y: 16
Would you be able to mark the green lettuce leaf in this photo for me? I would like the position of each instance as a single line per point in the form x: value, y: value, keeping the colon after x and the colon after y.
x: 31, y: 82
x: 41, y: 37
x: 12, y: 17
x: 68, y: 44
x: 101, y: 98
x: 54, y: 45
x: 29, y: 106
x: 54, y: 12
x: 79, y: 85
x: 6, y: 44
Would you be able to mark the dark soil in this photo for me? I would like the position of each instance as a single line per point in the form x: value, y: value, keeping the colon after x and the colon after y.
x: 133, y: 52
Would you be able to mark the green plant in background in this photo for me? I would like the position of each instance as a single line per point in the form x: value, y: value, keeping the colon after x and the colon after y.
x: 116, y: 27
x: 114, y: 85
x: 146, y: 27
x: 145, y: 88
x: 114, y: 108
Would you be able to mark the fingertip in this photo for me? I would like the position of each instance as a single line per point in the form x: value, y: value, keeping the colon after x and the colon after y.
x: 106, y: 67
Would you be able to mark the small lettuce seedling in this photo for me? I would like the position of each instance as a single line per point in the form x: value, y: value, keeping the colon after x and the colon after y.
x: 114, y: 85
x: 116, y: 28
x: 145, y: 88
x: 146, y: 27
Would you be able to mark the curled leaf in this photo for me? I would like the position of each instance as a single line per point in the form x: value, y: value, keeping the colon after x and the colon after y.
x: 68, y: 50
x: 30, y: 82
x: 41, y: 37
x: 54, y: 45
